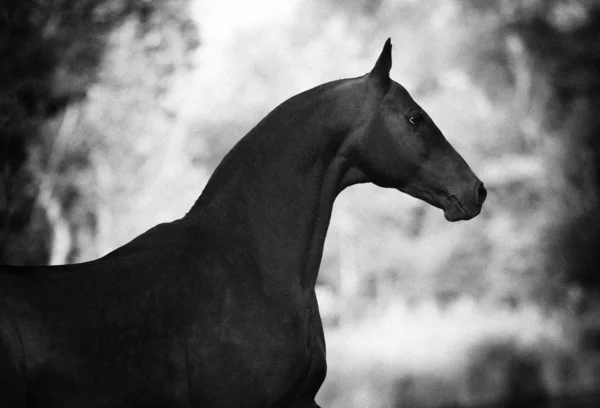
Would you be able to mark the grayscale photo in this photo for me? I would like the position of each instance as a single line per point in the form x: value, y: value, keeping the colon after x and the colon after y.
x: 299, y: 204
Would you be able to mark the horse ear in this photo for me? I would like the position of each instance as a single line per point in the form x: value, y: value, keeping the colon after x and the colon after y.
x: 381, y: 70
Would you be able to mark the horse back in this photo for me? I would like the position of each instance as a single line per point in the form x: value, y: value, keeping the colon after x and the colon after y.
x: 163, y: 318
x: 13, y: 389
x: 104, y: 333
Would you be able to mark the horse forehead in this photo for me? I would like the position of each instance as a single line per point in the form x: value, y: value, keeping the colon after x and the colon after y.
x: 399, y: 94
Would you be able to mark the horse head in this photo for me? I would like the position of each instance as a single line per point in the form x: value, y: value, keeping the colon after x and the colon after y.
x: 398, y: 145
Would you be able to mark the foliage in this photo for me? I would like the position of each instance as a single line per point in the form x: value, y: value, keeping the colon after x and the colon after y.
x: 554, y: 50
x: 50, y: 57
x: 468, y: 354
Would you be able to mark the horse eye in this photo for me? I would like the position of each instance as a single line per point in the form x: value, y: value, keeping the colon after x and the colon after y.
x: 415, y: 119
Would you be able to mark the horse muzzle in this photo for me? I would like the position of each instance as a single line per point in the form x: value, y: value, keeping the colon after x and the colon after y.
x: 457, y: 209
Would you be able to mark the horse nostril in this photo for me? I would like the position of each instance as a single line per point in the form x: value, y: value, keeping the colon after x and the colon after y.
x: 481, y: 193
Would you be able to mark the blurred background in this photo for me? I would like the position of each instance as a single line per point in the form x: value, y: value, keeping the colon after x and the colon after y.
x: 114, y: 113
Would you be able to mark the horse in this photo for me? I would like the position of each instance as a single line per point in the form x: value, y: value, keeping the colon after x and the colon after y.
x: 218, y: 308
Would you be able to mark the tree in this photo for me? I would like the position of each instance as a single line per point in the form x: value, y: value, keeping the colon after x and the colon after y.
x: 552, y: 54
x: 50, y: 54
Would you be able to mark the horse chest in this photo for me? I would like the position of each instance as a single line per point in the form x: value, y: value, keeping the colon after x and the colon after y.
x: 270, y: 352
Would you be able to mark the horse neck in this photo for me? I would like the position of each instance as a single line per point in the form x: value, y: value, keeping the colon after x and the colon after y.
x: 275, y: 190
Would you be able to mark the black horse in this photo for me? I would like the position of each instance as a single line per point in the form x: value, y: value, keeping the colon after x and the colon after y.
x: 218, y: 308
